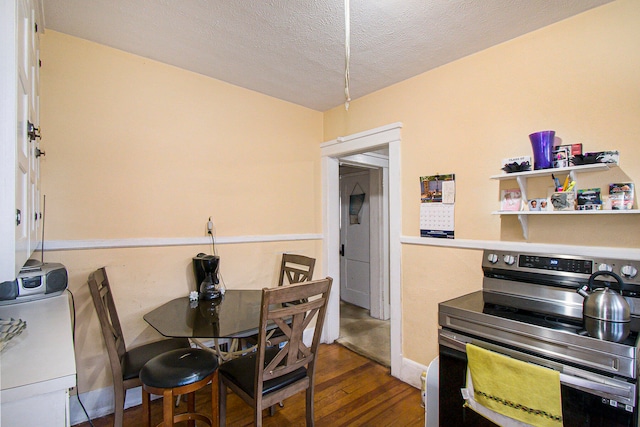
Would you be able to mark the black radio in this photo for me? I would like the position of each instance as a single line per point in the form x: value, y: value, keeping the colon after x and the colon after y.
x: 47, y: 280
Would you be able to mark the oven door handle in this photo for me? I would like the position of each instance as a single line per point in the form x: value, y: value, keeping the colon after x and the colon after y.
x: 597, y: 387
x: 603, y: 386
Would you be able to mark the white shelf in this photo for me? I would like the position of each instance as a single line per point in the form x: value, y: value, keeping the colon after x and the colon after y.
x: 522, y: 178
x: 547, y: 172
x: 573, y: 212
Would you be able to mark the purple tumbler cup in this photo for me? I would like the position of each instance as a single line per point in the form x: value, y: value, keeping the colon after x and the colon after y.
x: 542, y: 144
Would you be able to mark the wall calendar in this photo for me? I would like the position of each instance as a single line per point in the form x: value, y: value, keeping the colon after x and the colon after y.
x: 437, y: 202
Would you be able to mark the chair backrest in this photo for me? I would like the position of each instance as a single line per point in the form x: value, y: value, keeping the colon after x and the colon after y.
x: 296, y: 269
x: 109, y: 321
x: 282, y: 306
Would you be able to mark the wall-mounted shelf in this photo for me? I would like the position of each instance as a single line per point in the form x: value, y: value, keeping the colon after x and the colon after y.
x: 547, y: 172
x: 576, y: 212
x: 521, y: 178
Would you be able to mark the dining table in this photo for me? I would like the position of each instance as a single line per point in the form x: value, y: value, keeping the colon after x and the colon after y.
x: 233, y: 316
x: 236, y: 314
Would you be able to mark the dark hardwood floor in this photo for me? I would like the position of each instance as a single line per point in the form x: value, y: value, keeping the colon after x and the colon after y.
x: 350, y: 391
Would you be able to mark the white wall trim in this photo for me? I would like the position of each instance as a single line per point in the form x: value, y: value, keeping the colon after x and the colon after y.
x: 99, y: 403
x: 599, y: 251
x: 65, y: 245
x: 411, y: 371
x: 366, y: 141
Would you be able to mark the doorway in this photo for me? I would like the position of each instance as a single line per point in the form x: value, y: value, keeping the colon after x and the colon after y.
x: 364, y: 324
x: 364, y: 149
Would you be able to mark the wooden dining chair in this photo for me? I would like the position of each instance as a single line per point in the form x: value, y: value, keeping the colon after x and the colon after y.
x: 295, y: 269
x: 125, y: 363
x: 270, y: 374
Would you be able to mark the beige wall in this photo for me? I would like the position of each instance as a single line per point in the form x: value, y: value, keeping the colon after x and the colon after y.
x: 578, y: 77
x: 139, y: 149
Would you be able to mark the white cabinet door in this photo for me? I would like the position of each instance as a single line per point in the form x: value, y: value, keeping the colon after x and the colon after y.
x: 19, y: 106
x: 35, y: 216
x: 22, y: 140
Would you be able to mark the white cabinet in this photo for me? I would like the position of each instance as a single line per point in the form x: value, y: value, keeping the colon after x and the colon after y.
x: 573, y: 171
x: 20, y: 214
x: 38, y: 366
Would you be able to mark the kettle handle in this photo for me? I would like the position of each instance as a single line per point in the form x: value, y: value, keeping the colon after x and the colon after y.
x: 608, y: 284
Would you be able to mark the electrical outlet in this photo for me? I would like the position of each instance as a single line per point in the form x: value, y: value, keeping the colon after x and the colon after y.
x: 210, y: 226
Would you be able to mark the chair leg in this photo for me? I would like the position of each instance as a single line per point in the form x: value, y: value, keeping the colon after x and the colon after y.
x: 146, y: 409
x: 215, y: 417
x: 257, y: 411
x: 119, y: 395
x: 222, y: 401
x: 310, y: 417
x: 167, y: 407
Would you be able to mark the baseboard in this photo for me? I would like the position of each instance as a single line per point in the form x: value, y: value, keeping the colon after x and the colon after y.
x: 99, y: 403
x: 410, y: 372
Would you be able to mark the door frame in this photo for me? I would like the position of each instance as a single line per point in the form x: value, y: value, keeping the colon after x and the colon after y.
x: 385, y: 137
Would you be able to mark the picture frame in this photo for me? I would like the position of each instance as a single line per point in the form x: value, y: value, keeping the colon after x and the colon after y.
x: 511, y: 200
x: 538, y: 205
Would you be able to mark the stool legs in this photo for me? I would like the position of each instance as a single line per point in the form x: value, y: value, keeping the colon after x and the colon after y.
x: 167, y: 407
x: 146, y: 409
x: 168, y: 410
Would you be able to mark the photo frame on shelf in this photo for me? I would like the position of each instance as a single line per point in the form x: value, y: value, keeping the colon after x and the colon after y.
x: 538, y: 205
x: 511, y: 200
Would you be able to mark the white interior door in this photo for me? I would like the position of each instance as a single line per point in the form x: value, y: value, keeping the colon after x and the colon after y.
x: 355, y: 267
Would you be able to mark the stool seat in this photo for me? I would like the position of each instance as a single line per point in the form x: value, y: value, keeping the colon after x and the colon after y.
x: 179, y: 372
x: 177, y: 368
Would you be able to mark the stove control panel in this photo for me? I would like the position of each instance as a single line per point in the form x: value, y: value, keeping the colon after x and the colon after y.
x: 567, y: 265
x: 551, y: 265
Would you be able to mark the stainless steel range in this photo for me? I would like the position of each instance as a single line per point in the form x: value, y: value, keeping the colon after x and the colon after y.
x: 529, y: 309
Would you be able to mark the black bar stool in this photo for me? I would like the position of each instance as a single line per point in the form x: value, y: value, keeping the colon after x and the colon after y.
x: 179, y: 372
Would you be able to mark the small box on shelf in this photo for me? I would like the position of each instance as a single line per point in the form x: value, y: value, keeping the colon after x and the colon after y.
x: 621, y: 196
x: 563, y: 200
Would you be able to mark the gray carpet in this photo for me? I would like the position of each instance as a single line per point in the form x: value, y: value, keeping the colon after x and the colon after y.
x: 364, y: 335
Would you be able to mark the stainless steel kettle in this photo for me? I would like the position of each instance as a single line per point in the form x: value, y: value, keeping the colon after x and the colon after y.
x: 605, y: 312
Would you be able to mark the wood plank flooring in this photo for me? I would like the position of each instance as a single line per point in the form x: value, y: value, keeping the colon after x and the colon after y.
x: 350, y: 391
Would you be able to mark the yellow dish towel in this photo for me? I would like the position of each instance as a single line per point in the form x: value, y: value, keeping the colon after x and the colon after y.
x: 516, y: 389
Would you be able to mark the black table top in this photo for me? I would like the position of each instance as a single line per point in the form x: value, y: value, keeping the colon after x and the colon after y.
x: 235, y: 315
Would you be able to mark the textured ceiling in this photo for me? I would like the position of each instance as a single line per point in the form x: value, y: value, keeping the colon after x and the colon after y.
x: 294, y: 49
